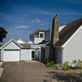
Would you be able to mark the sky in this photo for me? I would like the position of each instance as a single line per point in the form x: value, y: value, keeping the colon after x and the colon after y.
x: 22, y: 17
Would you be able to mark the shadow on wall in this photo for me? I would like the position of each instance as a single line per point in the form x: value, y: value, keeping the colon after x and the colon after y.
x: 64, y: 77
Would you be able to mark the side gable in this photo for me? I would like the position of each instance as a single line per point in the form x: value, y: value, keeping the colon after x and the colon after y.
x: 67, y: 32
x: 11, y: 44
x: 21, y: 41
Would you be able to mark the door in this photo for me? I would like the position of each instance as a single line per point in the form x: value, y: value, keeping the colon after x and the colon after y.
x: 43, y: 54
x: 11, y: 55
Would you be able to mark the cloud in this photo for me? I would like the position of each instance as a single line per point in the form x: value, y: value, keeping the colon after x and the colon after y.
x: 22, y: 26
x: 44, y: 24
x: 36, y: 20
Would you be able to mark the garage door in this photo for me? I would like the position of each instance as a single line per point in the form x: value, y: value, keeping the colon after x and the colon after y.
x: 11, y: 55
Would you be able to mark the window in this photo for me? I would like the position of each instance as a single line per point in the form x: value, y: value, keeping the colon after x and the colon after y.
x: 41, y: 35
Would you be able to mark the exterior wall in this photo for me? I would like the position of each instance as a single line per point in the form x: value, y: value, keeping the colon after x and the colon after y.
x: 47, y: 52
x: 0, y: 55
x: 38, y: 40
x: 47, y: 36
x: 58, y: 55
x: 32, y: 38
x: 73, y: 49
x: 26, y: 54
x: 11, y: 45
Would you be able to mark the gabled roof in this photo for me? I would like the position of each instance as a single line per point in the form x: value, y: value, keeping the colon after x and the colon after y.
x: 36, y: 33
x: 21, y: 41
x: 9, y: 42
x: 68, y: 31
x: 20, y: 45
x: 26, y: 45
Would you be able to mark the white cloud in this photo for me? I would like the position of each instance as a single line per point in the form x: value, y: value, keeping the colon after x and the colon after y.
x: 22, y: 26
x: 44, y: 24
x: 36, y: 20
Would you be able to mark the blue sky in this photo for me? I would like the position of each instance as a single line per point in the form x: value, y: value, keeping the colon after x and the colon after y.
x: 21, y: 17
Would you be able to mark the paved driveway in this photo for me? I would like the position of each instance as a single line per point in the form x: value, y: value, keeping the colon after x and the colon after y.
x: 35, y: 72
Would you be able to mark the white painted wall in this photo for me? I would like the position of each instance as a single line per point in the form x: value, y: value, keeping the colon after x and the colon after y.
x: 47, y: 52
x: 26, y: 54
x: 73, y: 49
x: 32, y: 38
x: 11, y: 45
x: 47, y: 35
x: 38, y: 40
x: 58, y: 55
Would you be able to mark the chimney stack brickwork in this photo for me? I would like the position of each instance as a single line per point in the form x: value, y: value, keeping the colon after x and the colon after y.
x: 54, y: 38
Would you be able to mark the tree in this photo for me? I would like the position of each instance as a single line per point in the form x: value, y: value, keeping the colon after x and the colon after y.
x: 3, y: 33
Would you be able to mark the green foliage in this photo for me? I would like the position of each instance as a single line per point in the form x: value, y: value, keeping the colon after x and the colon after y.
x: 58, y: 65
x: 50, y: 64
x: 79, y: 64
x: 47, y: 61
x: 3, y: 33
x: 74, y: 64
x: 66, y: 67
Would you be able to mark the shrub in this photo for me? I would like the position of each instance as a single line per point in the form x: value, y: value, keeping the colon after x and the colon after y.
x: 50, y: 64
x: 79, y: 64
x: 58, y: 65
x: 74, y: 64
x: 47, y: 61
x: 66, y: 67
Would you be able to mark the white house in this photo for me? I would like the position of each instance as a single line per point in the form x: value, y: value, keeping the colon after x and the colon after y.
x: 14, y: 51
x: 37, y: 36
x: 35, y: 39
x: 69, y: 45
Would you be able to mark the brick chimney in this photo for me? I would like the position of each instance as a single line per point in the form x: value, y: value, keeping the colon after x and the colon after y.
x: 54, y: 37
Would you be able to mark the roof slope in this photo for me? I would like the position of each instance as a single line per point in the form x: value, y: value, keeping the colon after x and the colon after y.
x: 68, y: 31
x: 39, y: 30
x: 26, y: 45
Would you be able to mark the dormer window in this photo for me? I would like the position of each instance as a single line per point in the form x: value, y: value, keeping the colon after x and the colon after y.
x: 41, y: 34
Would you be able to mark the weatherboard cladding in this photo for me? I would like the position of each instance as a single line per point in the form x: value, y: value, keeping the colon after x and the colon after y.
x: 68, y: 31
x: 36, y: 33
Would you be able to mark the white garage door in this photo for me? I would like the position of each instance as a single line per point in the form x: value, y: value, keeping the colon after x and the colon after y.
x: 11, y: 55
